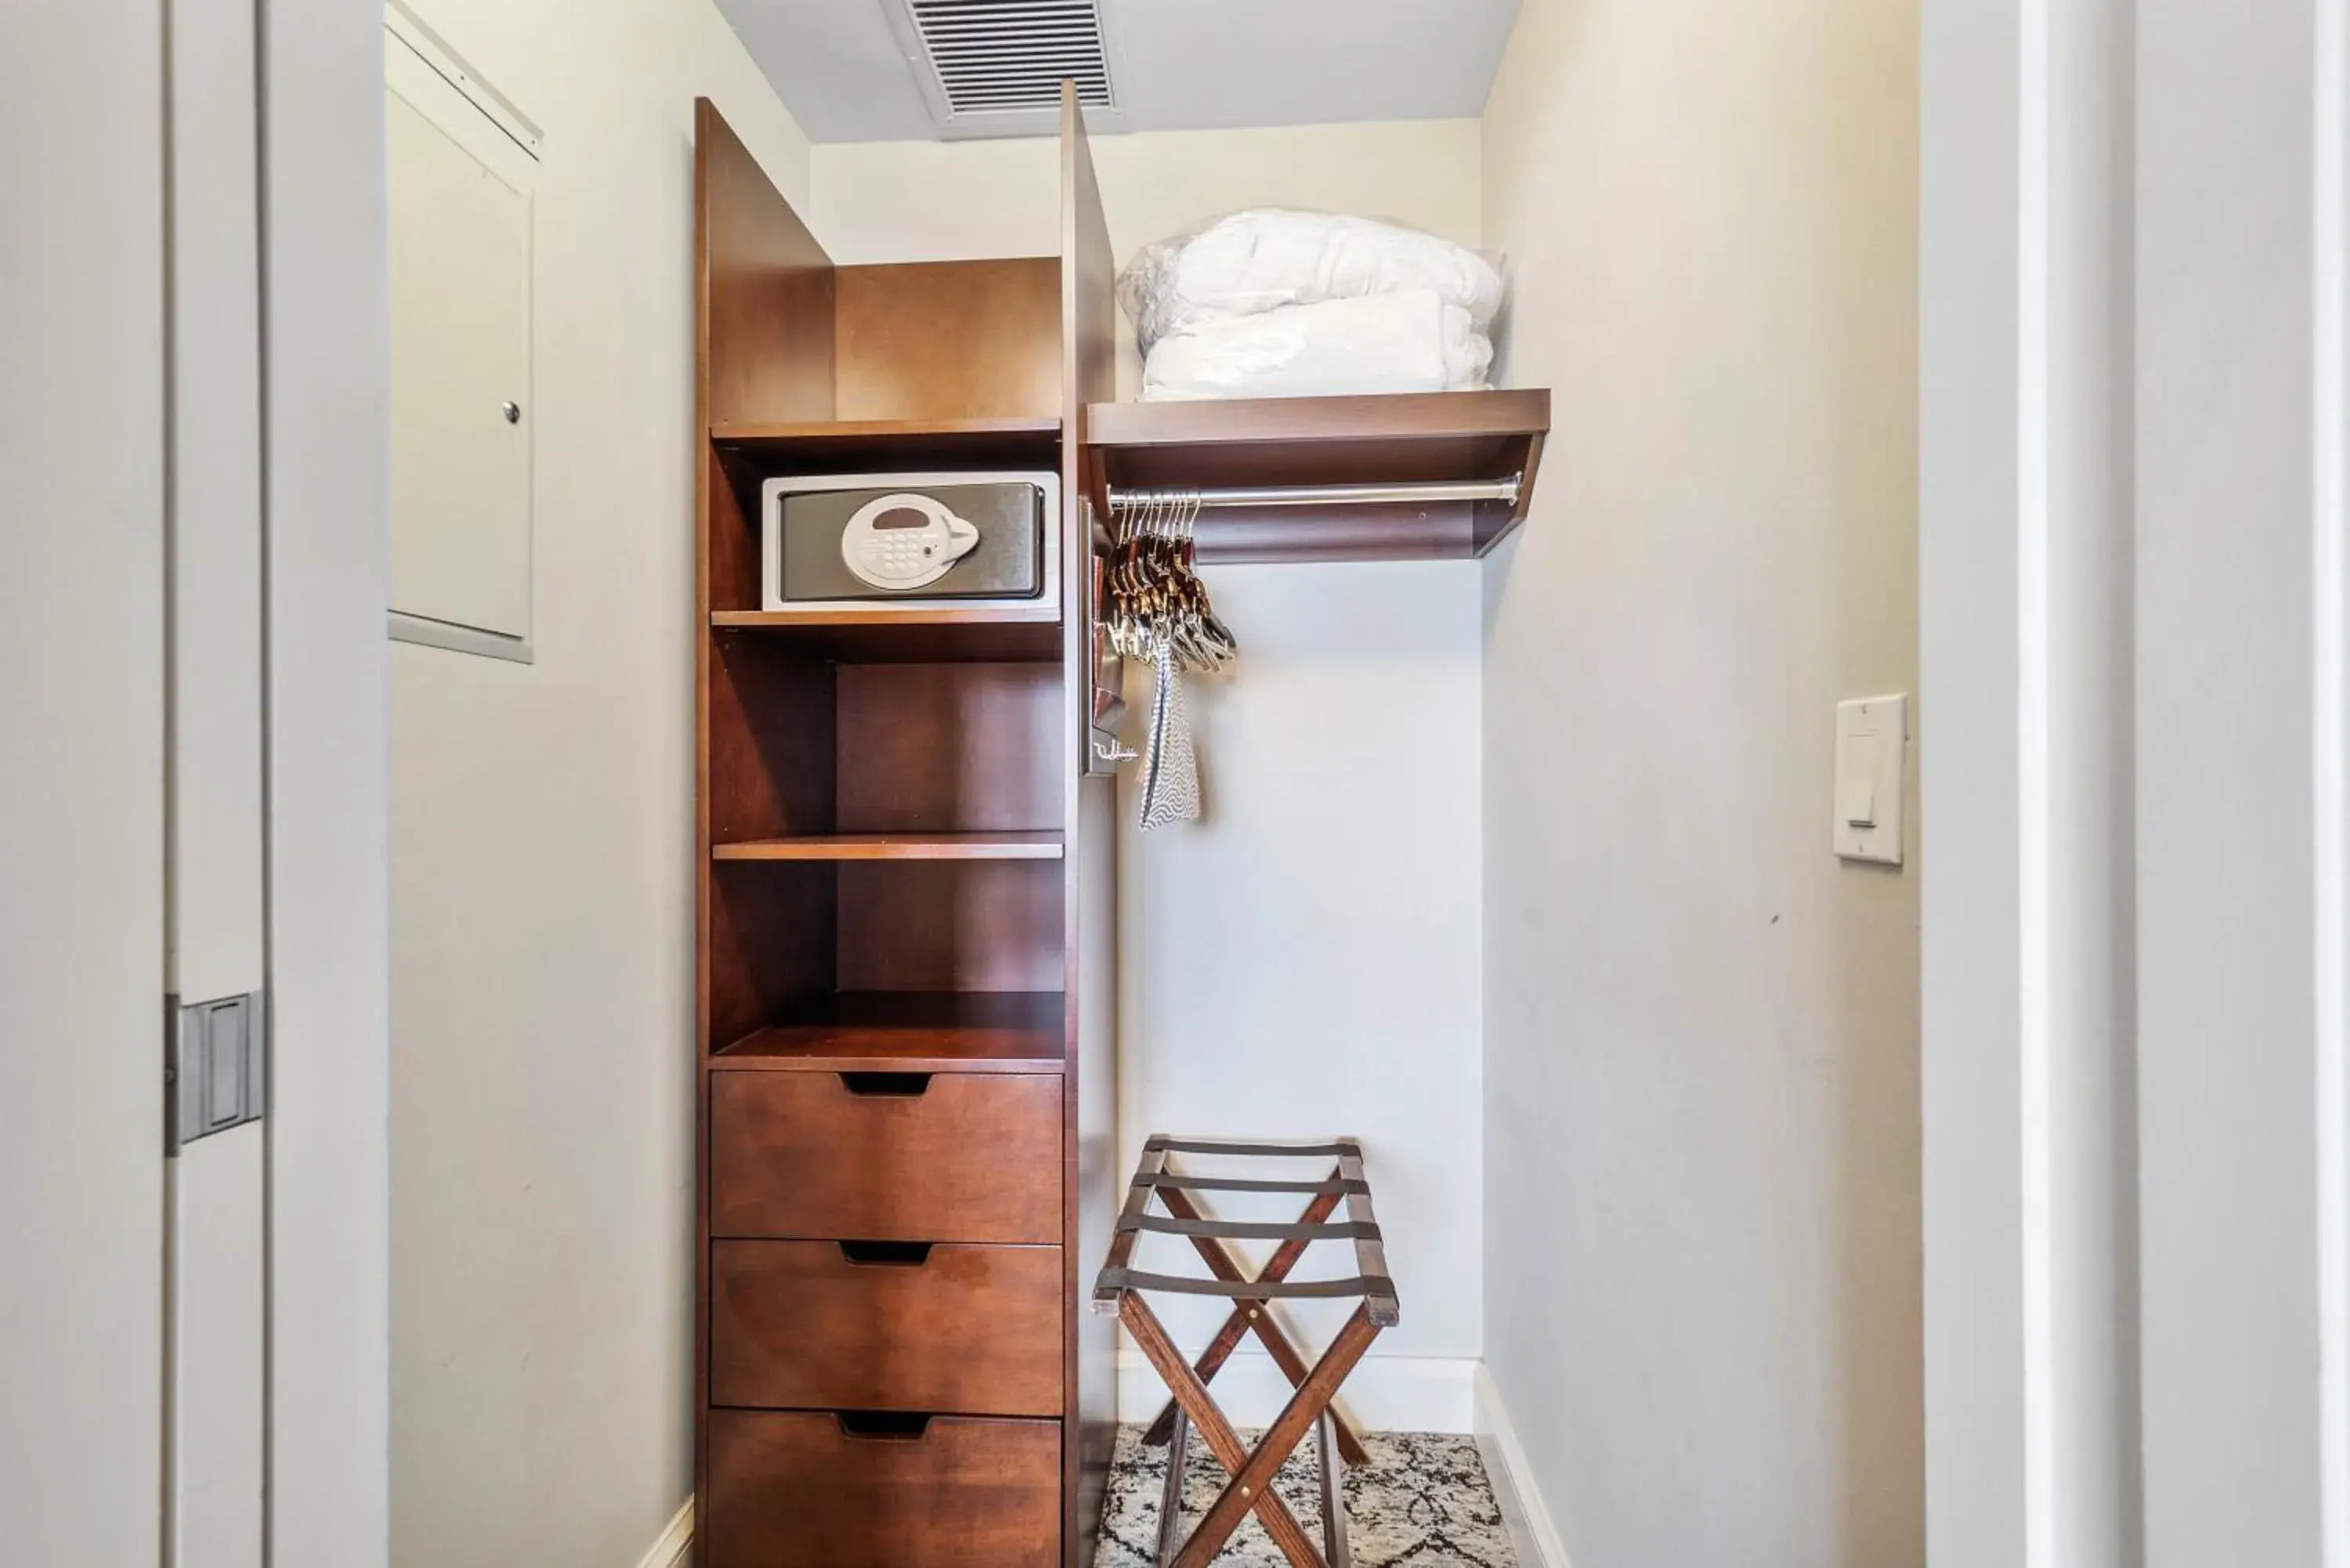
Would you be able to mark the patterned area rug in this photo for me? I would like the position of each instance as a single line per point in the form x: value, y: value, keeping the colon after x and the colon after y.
x: 1422, y: 1502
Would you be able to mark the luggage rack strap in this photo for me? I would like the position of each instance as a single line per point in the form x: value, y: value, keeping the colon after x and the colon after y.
x: 1255, y: 1151
x: 1253, y: 1229
x: 1116, y: 1281
x: 1185, y: 1183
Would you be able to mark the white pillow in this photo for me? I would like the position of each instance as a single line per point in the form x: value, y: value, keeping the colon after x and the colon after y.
x: 1409, y: 342
x: 1268, y: 258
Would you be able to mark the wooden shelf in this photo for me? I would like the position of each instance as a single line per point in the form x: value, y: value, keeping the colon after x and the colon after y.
x: 807, y: 445
x: 910, y: 1032
x: 944, y: 635
x: 896, y: 846
x: 1287, y: 442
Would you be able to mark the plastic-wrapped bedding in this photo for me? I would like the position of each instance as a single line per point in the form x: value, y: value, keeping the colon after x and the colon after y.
x: 1268, y: 258
x: 1408, y: 342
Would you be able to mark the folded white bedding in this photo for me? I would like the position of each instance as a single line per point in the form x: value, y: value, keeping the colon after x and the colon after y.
x: 1270, y: 259
x: 1412, y: 341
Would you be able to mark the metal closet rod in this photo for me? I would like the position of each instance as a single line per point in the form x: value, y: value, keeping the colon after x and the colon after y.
x: 1327, y: 495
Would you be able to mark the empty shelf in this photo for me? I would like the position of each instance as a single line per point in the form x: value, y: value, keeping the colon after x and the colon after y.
x: 910, y: 1032
x: 896, y: 846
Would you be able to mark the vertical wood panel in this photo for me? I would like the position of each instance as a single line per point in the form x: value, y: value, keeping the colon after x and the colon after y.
x: 949, y: 748
x: 972, y: 339
x: 766, y: 316
x: 935, y: 925
x: 763, y: 350
x: 1088, y: 372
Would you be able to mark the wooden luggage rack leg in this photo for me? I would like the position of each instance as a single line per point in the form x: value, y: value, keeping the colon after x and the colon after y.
x: 1119, y: 1290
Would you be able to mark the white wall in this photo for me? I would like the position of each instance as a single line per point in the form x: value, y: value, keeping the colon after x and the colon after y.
x: 82, y: 792
x: 1305, y: 959
x: 327, y: 364
x: 1702, y: 1115
x: 2242, y: 757
x: 543, y: 828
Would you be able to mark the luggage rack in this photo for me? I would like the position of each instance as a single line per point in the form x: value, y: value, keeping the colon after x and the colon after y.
x: 1119, y: 1290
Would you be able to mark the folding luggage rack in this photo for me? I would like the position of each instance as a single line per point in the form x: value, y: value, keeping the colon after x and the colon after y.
x: 1119, y: 1291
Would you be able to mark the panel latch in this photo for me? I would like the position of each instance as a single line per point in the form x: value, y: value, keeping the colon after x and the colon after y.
x: 215, y: 1057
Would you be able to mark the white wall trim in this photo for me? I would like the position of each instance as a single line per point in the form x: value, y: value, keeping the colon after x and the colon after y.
x: 676, y: 1542
x: 2330, y: 924
x: 1532, y: 1537
x: 1982, y: 542
x: 2238, y: 349
x: 446, y: 63
x: 325, y: 303
x: 1384, y: 1393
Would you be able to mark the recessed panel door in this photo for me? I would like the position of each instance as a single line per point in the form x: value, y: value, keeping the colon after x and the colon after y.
x: 460, y: 394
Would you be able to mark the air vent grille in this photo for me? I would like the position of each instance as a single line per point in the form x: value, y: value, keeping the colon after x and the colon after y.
x: 1009, y: 56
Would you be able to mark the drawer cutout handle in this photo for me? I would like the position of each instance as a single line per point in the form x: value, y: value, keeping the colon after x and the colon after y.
x: 882, y: 1426
x: 887, y: 1086
x: 886, y: 1254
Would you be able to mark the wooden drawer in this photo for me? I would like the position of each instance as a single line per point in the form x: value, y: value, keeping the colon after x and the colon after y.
x: 793, y: 1491
x: 834, y: 1326
x: 947, y: 1157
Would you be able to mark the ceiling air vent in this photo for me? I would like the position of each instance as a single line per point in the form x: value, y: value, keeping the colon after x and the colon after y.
x: 994, y: 59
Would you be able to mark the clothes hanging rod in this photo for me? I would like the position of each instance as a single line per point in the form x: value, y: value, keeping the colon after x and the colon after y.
x: 1324, y: 494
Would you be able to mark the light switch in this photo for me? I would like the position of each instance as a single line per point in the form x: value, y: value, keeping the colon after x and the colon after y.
x: 1859, y: 784
x: 1872, y: 745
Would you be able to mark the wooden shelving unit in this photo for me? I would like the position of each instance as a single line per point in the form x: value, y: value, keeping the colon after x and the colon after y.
x: 1287, y: 443
x: 906, y: 894
x: 906, y: 877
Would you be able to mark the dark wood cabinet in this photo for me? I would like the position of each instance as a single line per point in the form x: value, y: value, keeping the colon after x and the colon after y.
x: 904, y: 963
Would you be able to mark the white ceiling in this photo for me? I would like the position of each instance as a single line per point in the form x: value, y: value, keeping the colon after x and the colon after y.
x: 1176, y: 65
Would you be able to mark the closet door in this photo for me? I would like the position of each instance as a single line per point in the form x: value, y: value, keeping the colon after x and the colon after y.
x: 216, y: 969
x: 82, y: 792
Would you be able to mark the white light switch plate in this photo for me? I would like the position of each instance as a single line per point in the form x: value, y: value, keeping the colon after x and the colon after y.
x: 1872, y: 748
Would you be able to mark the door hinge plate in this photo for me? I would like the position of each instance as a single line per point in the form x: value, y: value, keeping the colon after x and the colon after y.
x: 215, y: 1066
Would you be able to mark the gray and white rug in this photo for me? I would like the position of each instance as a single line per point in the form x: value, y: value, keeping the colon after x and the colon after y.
x: 1422, y: 1502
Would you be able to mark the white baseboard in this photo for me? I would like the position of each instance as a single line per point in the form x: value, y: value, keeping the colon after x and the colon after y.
x: 676, y: 1542
x: 1533, y: 1536
x: 1384, y: 1393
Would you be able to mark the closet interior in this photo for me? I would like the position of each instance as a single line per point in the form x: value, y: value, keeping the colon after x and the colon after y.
x: 905, y: 948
